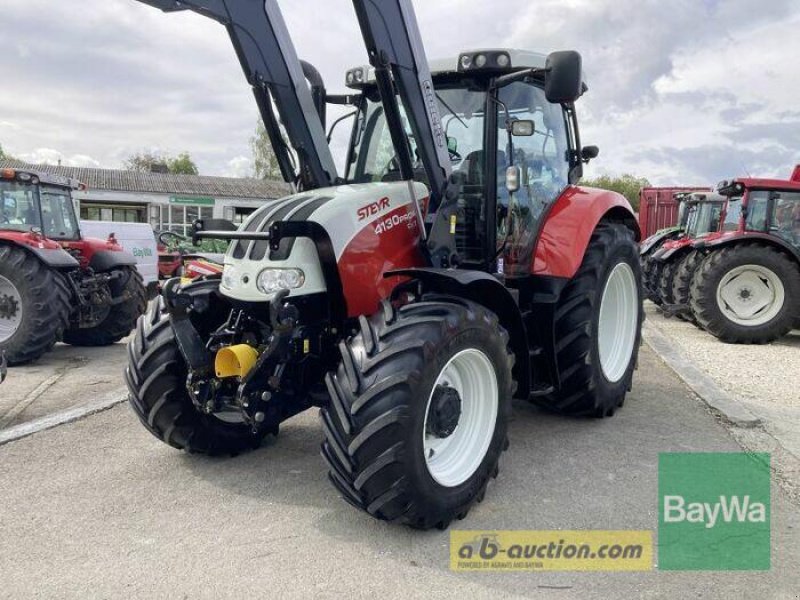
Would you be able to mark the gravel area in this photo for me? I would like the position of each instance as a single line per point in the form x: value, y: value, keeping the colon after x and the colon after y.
x: 762, y: 375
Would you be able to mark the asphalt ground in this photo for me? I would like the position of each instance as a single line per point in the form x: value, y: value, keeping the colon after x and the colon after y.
x: 66, y: 378
x: 100, y: 509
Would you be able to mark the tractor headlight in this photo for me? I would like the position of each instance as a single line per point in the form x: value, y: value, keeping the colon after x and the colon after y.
x: 230, y: 277
x: 273, y: 280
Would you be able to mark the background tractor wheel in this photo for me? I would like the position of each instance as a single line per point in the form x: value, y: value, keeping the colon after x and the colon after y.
x: 419, y: 411
x: 665, y: 280
x: 156, y: 378
x: 682, y: 281
x: 652, y: 280
x: 746, y: 294
x: 598, y: 327
x: 121, y: 318
x: 34, y: 306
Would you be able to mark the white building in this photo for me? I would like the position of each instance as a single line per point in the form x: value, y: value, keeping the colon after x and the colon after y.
x: 166, y: 201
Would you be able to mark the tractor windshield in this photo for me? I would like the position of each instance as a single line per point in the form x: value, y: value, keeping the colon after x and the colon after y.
x: 373, y: 158
x: 692, y: 212
x: 708, y: 217
x: 19, y: 206
x: 58, y: 213
x: 733, y: 213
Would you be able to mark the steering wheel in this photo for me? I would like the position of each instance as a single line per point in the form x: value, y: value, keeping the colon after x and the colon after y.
x: 168, y: 234
x: 454, y: 155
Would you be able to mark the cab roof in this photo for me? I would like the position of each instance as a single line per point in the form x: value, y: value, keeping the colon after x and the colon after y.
x: 485, y: 60
x: 40, y: 177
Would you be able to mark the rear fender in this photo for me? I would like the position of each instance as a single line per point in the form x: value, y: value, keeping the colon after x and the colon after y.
x: 656, y: 239
x: 53, y: 256
x: 483, y: 289
x: 737, y: 238
x: 106, y: 260
x: 569, y: 225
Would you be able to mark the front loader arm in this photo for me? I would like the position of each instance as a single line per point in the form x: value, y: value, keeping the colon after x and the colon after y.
x: 395, y: 49
x: 271, y: 65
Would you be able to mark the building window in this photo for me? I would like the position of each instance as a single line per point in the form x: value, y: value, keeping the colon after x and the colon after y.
x: 117, y: 213
x: 179, y: 218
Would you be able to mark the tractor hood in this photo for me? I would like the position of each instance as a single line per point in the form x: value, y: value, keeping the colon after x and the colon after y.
x: 373, y: 228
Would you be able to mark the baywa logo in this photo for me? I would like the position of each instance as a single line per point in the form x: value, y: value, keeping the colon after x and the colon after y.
x: 730, y: 509
x: 714, y: 511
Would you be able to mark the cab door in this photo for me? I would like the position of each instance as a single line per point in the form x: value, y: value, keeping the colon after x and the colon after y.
x: 543, y: 160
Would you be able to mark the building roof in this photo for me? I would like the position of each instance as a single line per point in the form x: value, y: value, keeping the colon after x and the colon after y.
x: 118, y: 180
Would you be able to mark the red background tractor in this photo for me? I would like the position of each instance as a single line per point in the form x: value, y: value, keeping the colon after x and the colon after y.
x: 747, y: 289
x: 54, y: 283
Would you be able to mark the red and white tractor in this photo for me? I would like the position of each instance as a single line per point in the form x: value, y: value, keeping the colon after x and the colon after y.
x: 54, y: 283
x: 455, y: 264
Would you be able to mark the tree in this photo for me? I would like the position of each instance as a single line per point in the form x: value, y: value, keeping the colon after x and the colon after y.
x: 265, y: 162
x: 182, y: 165
x: 5, y: 155
x: 628, y: 185
x: 151, y: 162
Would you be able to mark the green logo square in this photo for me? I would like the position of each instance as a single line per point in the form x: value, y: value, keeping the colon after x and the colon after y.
x: 714, y: 511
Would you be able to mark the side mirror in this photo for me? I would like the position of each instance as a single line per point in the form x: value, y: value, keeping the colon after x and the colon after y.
x: 522, y: 128
x: 452, y: 145
x: 589, y: 152
x: 512, y: 179
x: 563, y: 82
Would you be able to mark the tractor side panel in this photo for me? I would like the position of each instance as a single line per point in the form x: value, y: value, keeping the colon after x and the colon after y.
x: 388, y: 243
x: 569, y: 226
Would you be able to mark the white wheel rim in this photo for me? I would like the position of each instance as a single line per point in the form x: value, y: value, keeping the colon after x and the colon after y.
x: 750, y: 295
x: 10, y: 298
x: 619, y: 318
x: 453, y: 459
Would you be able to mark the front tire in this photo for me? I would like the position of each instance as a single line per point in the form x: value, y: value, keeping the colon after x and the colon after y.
x: 746, y: 294
x: 121, y: 318
x: 419, y: 411
x: 34, y: 306
x: 598, y: 326
x: 156, y: 378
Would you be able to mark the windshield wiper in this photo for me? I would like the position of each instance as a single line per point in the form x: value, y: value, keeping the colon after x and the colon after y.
x: 452, y: 112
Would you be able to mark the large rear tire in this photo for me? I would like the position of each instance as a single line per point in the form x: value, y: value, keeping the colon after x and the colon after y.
x: 419, y: 411
x: 746, y: 294
x: 156, y: 378
x: 34, y: 306
x: 598, y: 325
x: 121, y: 318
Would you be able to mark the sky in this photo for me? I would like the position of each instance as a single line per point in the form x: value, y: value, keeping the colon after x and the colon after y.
x: 682, y: 92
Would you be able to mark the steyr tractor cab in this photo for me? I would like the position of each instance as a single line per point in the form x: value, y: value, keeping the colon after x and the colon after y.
x: 454, y: 265
x: 673, y: 263
x: 747, y: 288
x: 54, y: 283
